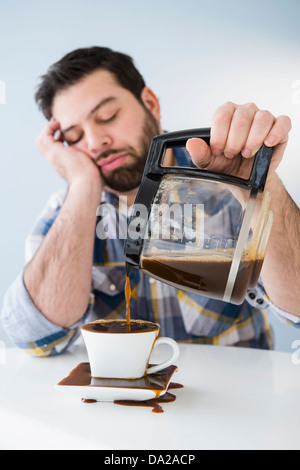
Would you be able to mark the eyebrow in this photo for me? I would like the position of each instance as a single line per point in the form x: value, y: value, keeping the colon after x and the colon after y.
x: 98, y: 106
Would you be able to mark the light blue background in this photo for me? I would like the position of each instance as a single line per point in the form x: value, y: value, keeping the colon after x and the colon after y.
x: 194, y: 54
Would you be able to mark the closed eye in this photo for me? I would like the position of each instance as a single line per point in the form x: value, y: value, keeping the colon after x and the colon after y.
x: 98, y: 120
x: 106, y: 121
x: 73, y: 142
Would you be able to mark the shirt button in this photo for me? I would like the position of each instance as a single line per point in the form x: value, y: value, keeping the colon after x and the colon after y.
x: 112, y: 287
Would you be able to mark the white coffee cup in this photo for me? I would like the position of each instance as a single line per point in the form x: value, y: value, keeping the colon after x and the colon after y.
x: 124, y: 354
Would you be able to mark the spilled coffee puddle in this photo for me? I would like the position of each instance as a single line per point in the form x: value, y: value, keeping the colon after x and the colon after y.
x: 152, y: 402
x: 158, y: 383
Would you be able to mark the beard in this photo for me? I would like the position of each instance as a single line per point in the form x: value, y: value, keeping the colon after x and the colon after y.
x: 128, y: 177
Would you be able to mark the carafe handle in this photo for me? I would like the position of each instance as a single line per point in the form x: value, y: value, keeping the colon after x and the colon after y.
x: 160, y: 143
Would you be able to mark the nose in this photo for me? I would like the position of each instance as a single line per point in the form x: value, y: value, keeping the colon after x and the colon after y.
x: 97, y: 141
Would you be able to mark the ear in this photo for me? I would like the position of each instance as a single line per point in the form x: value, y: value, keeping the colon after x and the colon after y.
x: 151, y: 102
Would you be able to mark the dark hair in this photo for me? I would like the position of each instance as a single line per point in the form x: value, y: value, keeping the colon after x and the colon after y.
x: 79, y: 63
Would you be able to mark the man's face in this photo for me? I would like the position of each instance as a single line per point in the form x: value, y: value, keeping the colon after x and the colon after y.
x: 107, y: 122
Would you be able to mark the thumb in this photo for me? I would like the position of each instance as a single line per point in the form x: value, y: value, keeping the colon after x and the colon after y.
x: 199, y: 151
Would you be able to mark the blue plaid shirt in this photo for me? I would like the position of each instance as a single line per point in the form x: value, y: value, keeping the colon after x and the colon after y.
x: 184, y: 316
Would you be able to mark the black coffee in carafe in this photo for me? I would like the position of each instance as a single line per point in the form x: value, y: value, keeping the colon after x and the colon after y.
x: 205, y: 275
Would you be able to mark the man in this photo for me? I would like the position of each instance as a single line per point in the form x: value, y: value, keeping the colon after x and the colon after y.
x: 102, y: 118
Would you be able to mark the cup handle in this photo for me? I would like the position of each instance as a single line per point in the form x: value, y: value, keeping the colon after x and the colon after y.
x: 168, y: 362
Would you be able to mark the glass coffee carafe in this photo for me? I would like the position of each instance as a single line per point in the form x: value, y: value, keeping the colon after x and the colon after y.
x: 196, y: 230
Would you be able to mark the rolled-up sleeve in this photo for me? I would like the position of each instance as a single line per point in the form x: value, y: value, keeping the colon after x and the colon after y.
x: 22, y: 321
x: 28, y: 328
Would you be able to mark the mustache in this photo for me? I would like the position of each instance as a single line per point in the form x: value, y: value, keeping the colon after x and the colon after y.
x: 110, y: 152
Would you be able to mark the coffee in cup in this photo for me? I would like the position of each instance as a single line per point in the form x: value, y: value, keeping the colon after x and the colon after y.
x: 115, y: 351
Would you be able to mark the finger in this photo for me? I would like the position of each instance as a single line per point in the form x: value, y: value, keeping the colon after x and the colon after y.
x: 279, y: 131
x: 58, y: 136
x: 199, y: 152
x: 239, y: 129
x: 47, y: 136
x: 52, y: 127
x: 220, y: 125
x: 261, y: 126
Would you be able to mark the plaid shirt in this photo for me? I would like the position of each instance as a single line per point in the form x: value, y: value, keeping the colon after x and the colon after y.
x: 184, y: 316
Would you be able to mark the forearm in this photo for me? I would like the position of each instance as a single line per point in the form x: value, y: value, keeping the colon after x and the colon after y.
x: 281, y: 269
x: 58, y: 278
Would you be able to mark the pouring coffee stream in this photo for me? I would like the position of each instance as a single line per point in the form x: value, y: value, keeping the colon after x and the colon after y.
x: 127, y: 298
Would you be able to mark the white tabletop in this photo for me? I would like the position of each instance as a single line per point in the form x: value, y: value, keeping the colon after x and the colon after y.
x: 233, y: 398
